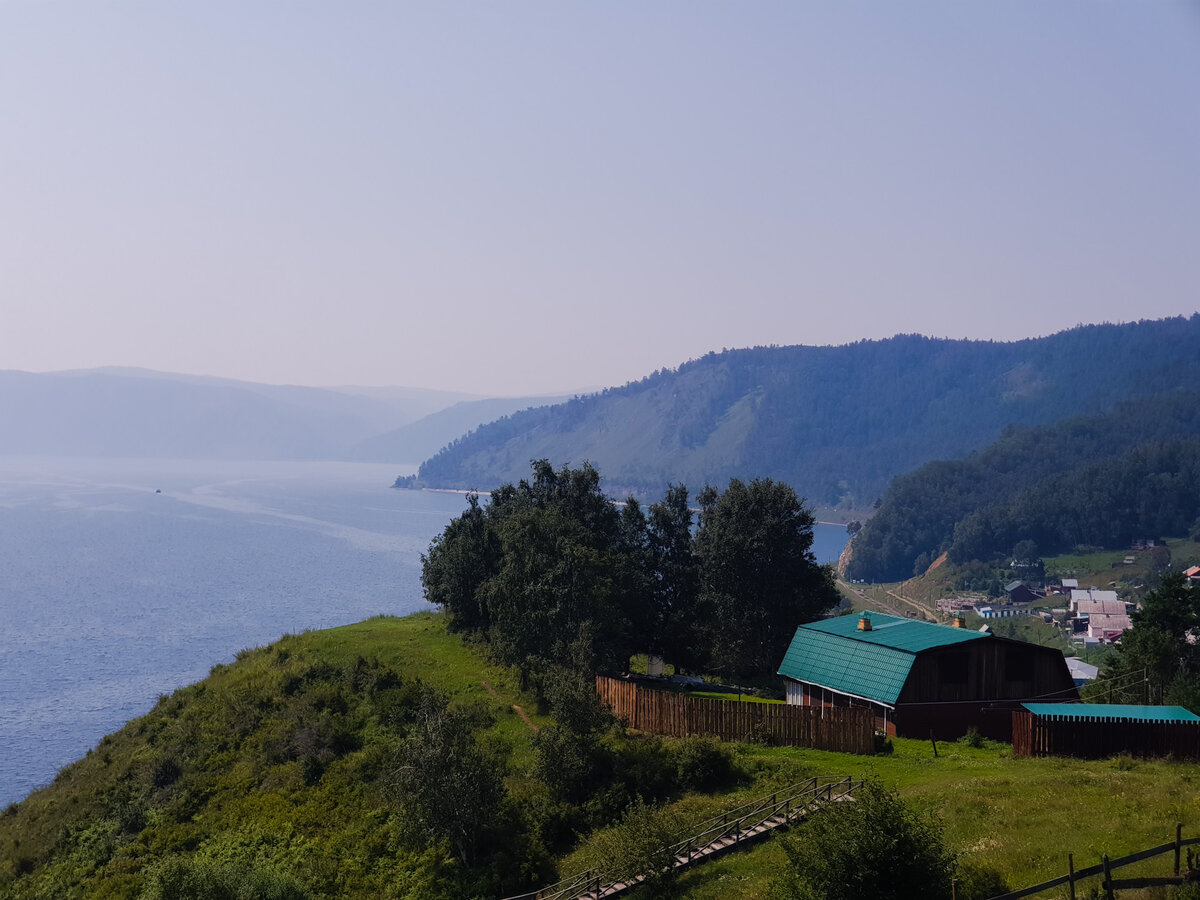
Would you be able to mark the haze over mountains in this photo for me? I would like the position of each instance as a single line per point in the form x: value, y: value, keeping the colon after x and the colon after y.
x: 837, y: 423
x: 117, y: 412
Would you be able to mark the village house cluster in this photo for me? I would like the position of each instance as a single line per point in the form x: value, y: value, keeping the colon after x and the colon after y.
x: 1089, y: 616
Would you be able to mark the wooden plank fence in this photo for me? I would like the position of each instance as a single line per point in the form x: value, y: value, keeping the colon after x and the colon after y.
x: 841, y: 729
x: 1095, y: 739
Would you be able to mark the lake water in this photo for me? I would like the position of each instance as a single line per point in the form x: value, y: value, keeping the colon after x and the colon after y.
x: 112, y: 593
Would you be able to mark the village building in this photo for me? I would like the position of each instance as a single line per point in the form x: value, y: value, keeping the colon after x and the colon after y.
x: 1081, y: 672
x: 921, y: 679
x: 1097, y: 730
x: 1020, y: 592
x: 1090, y: 596
x: 1002, y: 612
x: 1100, y: 615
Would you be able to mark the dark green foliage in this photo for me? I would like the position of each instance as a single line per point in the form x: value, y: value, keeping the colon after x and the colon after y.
x: 972, y: 738
x: 459, y: 561
x: 637, y: 845
x: 673, y: 573
x: 978, y: 881
x: 758, y: 577
x: 186, y: 879
x: 568, y: 756
x: 702, y: 764
x: 565, y: 580
x: 875, y: 846
x: 837, y: 422
x: 1155, y: 662
x: 448, y: 783
x: 1099, y: 480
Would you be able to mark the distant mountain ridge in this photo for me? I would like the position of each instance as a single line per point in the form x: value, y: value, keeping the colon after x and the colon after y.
x: 138, y: 412
x: 835, y: 422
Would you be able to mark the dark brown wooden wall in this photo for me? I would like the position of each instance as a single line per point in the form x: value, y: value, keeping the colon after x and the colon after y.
x: 978, y: 684
x: 1086, y: 737
x: 991, y: 669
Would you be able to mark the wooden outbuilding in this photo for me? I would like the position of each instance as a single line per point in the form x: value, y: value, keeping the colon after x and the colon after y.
x: 920, y: 678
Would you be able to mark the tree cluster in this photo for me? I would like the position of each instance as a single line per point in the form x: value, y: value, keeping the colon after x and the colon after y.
x: 551, y: 573
x: 1156, y: 660
x: 1099, y: 480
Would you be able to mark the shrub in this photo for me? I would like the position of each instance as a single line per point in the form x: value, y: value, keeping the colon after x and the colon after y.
x: 978, y: 881
x: 702, y: 763
x: 186, y: 879
x: 873, y: 847
x: 637, y: 845
x: 972, y: 738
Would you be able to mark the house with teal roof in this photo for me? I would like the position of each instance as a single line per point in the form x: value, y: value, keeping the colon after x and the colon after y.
x: 921, y: 678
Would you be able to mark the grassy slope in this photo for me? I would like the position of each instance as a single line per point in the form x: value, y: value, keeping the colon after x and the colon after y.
x: 243, y: 794
x: 1021, y: 816
x: 234, y: 804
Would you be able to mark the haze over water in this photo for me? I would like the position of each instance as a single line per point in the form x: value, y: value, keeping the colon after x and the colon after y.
x: 112, y: 594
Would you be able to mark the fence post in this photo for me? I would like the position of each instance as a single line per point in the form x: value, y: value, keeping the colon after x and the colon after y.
x: 1178, y: 843
x: 1071, y: 874
x: 1108, y: 888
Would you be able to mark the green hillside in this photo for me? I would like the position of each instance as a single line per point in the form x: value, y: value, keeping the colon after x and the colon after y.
x: 1097, y: 480
x: 837, y: 423
x: 281, y: 776
x: 278, y: 767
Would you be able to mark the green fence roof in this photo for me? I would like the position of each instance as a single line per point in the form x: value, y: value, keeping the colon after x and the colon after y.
x: 1112, y: 712
x: 871, y: 664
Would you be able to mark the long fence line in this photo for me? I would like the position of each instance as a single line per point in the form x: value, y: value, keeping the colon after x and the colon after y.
x: 1085, y: 736
x: 1105, y: 868
x: 840, y: 729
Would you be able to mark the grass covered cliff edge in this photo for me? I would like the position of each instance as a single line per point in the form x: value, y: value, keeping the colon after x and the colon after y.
x: 289, y: 774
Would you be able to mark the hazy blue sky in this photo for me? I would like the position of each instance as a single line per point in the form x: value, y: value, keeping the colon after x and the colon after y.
x: 524, y: 197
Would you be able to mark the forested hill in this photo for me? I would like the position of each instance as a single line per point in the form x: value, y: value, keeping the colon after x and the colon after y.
x: 1098, y: 480
x: 837, y: 423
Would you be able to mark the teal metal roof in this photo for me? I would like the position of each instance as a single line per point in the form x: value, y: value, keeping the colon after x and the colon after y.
x: 1112, y: 712
x: 910, y: 635
x: 869, y: 664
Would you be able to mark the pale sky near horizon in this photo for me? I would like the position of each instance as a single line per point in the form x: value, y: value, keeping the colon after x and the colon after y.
x: 533, y: 197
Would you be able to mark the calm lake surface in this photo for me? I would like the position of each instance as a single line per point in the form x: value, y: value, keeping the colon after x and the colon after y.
x: 112, y: 593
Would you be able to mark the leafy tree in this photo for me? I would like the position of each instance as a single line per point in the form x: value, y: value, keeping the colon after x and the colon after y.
x: 674, y: 575
x: 873, y: 847
x: 568, y: 755
x: 1155, y: 659
x: 459, y: 561
x: 758, y: 576
x: 448, y: 783
x: 638, y: 845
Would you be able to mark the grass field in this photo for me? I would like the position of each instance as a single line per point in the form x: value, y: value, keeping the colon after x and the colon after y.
x: 1019, y: 816
x: 235, y: 800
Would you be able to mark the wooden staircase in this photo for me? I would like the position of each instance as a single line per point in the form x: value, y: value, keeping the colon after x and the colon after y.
x: 746, y: 823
